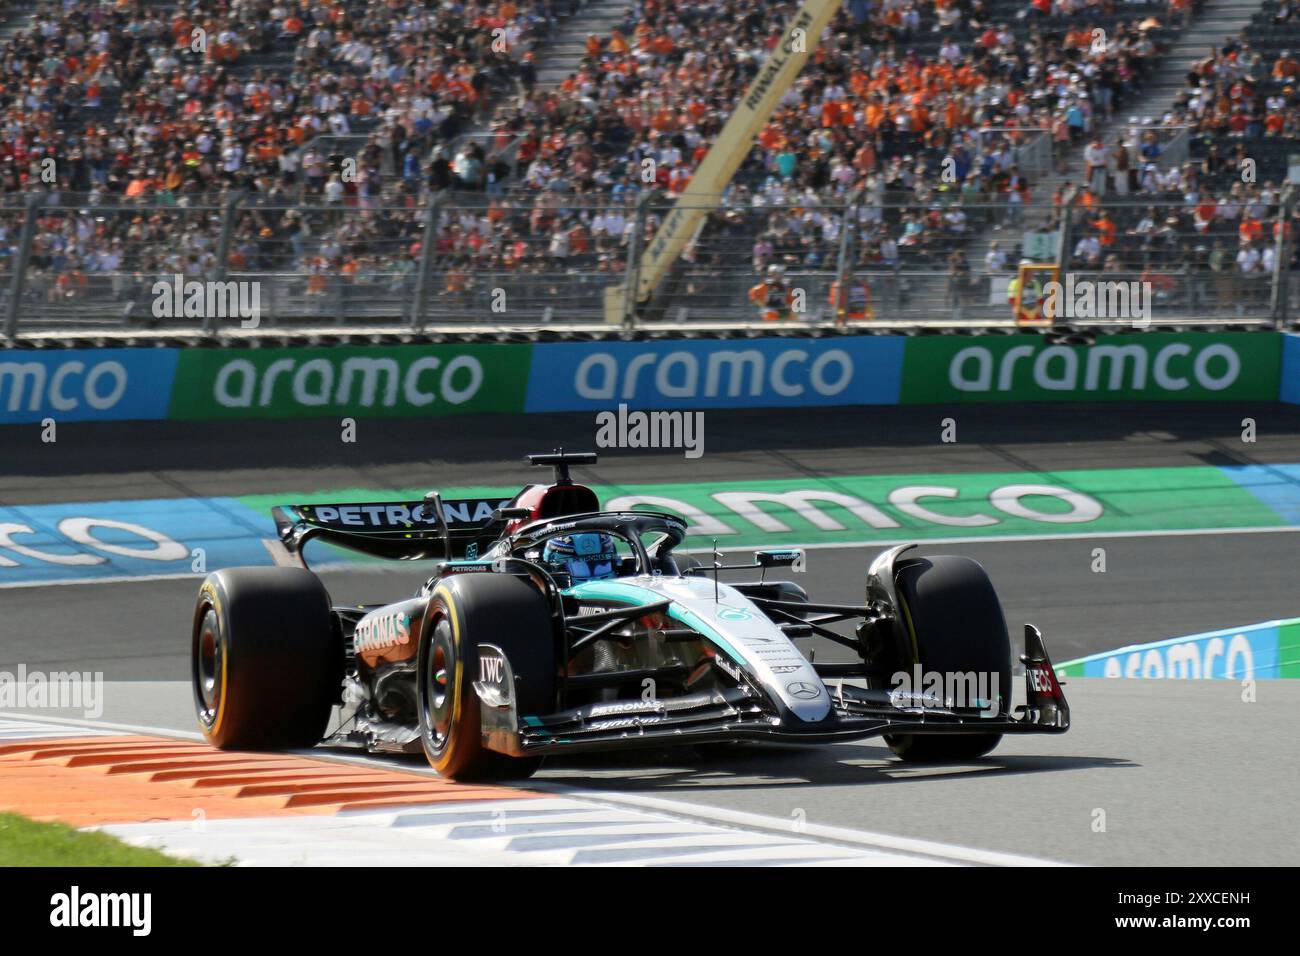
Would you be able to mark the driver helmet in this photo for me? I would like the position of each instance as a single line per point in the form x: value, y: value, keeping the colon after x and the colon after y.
x: 589, y: 556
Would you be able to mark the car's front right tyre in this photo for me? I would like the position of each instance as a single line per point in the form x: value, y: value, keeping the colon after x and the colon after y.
x: 955, y: 625
x: 464, y: 611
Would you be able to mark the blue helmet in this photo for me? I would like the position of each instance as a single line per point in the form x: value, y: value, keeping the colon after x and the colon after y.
x: 586, y: 557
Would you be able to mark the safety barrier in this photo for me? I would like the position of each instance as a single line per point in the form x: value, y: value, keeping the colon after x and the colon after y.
x: 1271, y: 649
x: 447, y: 379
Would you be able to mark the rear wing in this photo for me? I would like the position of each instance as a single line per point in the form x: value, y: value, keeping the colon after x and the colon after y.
x: 396, y: 530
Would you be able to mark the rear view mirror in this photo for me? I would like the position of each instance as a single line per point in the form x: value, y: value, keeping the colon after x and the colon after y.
x: 792, y: 558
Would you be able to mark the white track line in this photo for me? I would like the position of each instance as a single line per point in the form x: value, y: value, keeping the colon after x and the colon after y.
x: 99, y: 725
x: 547, y: 831
x: 29, y: 728
x: 776, y: 825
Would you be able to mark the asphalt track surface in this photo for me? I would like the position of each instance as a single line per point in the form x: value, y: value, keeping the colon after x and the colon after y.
x: 1184, y: 771
x: 1154, y: 587
x: 1151, y: 773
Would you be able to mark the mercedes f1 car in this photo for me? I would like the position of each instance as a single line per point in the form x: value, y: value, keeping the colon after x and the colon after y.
x: 549, y: 626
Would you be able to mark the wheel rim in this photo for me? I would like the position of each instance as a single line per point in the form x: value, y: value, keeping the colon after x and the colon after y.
x: 439, y: 698
x: 208, y: 667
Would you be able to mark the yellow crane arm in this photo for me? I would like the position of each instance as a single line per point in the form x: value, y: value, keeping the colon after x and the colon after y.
x: 704, y: 191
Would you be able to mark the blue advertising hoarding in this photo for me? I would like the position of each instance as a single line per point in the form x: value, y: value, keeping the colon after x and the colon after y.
x: 78, y: 385
x: 1240, y: 653
x: 716, y: 373
x: 1290, y: 390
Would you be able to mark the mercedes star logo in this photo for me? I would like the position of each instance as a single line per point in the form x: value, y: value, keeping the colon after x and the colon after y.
x: 803, y: 690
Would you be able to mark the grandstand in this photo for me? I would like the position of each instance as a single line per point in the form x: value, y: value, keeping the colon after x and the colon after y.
x: 501, y: 164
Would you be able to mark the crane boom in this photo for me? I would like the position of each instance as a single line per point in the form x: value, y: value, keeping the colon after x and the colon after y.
x: 724, y: 157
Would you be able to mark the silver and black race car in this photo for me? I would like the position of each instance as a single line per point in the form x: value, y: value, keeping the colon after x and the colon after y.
x: 550, y: 626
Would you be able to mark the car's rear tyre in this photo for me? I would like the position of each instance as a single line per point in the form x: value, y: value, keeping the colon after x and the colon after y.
x: 465, y: 611
x: 954, y: 623
x: 266, y: 666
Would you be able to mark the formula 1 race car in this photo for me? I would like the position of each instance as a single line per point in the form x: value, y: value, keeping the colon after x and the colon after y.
x: 549, y: 626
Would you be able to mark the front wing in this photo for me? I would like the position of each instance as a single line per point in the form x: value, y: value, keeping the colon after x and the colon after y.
x: 745, y: 713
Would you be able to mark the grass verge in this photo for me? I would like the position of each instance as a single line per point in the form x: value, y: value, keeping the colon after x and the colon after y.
x: 25, y: 842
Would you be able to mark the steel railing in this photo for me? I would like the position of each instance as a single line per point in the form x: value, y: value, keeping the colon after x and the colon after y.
x: 545, y: 259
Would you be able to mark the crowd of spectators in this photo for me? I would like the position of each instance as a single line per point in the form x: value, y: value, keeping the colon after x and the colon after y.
x: 156, y: 115
x: 931, y: 116
x: 915, y: 109
x: 1207, y: 229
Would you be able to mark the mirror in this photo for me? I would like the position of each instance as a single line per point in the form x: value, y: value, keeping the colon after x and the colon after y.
x: 792, y: 558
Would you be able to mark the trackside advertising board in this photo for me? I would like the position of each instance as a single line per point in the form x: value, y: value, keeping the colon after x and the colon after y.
x: 1157, y: 367
x: 1255, y: 651
x: 736, y: 373
x: 434, y: 380
x: 387, y: 381
x: 79, y: 385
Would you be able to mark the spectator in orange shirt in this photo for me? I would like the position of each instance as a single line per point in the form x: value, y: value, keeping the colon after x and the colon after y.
x: 1105, y: 226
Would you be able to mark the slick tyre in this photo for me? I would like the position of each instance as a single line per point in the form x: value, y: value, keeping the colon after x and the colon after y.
x: 465, y: 611
x: 954, y: 625
x: 266, y: 666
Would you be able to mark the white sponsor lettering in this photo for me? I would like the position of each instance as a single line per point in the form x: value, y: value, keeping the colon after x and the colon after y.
x: 367, y: 382
x: 83, y: 531
x: 162, y: 548
x: 101, y: 388
x: 490, y: 669
x: 1187, y: 660
x: 906, y: 500
x: 1105, y: 368
x: 730, y: 373
x: 762, y: 510
x: 1040, y: 679
x: 745, y: 504
x: 380, y: 630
